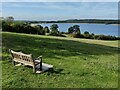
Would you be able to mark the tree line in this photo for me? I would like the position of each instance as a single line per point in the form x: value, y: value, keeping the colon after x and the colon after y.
x: 74, y: 31
x: 9, y: 24
x: 98, y: 21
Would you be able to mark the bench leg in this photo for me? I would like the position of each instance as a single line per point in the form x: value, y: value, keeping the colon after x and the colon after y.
x: 14, y: 63
x: 41, y: 64
x: 33, y: 69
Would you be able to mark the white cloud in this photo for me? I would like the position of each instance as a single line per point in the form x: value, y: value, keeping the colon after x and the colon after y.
x: 44, y: 5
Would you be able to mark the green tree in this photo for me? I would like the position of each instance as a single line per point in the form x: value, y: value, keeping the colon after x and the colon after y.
x: 40, y: 30
x: 92, y: 36
x: 10, y: 18
x: 18, y: 26
x: 46, y: 29
x: 54, y: 30
x: 74, y: 31
x: 70, y: 30
x: 6, y: 27
x: 86, y: 34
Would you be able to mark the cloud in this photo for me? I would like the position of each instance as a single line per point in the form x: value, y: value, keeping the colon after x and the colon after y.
x: 44, y: 5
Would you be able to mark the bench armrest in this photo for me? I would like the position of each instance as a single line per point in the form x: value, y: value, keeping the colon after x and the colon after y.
x: 38, y: 57
x: 37, y: 60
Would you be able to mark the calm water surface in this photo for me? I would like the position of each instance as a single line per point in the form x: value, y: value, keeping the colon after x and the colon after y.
x: 92, y: 28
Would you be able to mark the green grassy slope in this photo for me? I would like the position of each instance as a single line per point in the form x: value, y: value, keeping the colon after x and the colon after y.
x: 77, y: 62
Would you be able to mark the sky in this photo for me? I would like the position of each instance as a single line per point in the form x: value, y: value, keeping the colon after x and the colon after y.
x: 60, y: 0
x: 60, y: 10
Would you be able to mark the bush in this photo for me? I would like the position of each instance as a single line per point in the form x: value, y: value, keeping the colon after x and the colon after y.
x: 87, y: 35
x: 81, y: 36
x: 54, y: 30
x: 74, y: 31
x: 104, y: 37
x: 22, y: 27
x: 46, y: 29
x: 74, y: 35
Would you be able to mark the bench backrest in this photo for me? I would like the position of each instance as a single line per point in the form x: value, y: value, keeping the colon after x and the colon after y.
x: 22, y: 58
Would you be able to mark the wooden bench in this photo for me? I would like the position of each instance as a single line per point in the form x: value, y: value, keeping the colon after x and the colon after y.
x: 27, y: 59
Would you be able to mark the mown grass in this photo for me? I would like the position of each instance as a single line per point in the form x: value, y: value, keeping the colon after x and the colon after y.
x: 78, y: 63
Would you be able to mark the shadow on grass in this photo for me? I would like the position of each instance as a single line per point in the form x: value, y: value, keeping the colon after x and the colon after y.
x: 52, y: 48
x: 57, y: 72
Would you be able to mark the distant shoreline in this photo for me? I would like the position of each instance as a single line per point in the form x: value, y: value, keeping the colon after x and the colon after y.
x: 75, y: 23
x: 83, y: 21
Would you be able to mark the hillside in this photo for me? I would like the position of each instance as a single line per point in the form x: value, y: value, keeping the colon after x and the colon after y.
x: 78, y: 63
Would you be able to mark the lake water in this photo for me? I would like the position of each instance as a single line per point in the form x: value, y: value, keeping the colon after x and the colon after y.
x: 92, y: 28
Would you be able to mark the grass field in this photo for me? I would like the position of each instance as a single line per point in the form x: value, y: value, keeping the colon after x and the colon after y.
x: 78, y: 63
